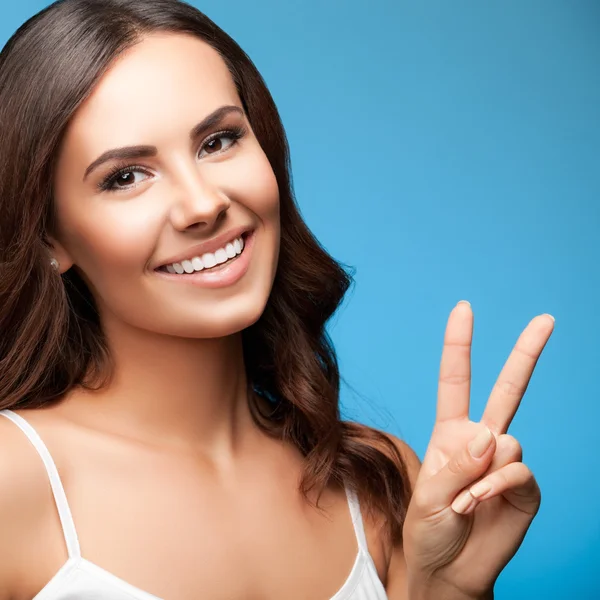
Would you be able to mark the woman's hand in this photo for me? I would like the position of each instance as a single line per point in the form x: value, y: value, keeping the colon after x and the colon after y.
x: 457, y: 536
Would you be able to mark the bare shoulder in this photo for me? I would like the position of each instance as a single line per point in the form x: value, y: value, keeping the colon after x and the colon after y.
x: 25, y: 501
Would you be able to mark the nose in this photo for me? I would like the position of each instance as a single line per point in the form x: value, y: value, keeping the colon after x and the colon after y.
x: 199, y: 204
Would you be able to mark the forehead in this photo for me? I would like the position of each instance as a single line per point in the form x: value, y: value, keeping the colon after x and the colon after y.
x: 163, y: 84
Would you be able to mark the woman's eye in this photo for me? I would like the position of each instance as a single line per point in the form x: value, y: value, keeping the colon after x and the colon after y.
x: 215, y: 145
x: 127, y: 178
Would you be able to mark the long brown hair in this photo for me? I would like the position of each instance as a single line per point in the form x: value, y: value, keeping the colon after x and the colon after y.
x: 50, y: 334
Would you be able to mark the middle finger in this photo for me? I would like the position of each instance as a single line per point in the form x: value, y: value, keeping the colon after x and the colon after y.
x: 516, y: 374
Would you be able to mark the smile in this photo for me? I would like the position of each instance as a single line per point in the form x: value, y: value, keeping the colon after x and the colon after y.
x: 221, y: 268
x: 208, y: 260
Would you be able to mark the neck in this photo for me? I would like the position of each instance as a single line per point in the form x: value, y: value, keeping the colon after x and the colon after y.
x: 171, y: 391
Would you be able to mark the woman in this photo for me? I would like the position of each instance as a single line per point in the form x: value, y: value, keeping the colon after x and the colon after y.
x: 164, y: 357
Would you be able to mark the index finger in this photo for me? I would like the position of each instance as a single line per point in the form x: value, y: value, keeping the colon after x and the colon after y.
x: 454, y: 387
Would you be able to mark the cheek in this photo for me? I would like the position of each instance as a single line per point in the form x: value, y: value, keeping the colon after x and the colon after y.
x: 263, y: 200
x: 113, y: 239
x: 257, y: 188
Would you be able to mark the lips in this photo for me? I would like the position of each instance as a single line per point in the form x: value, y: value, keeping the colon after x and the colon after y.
x: 227, y: 274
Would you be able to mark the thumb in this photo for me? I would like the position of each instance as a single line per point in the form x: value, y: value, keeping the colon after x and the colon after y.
x: 461, y: 470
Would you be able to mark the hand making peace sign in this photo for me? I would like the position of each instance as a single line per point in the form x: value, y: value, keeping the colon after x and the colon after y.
x: 468, y: 515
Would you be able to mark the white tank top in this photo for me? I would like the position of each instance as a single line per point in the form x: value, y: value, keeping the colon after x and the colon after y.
x: 81, y: 579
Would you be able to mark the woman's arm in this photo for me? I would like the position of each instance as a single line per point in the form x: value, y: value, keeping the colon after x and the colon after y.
x: 25, y: 505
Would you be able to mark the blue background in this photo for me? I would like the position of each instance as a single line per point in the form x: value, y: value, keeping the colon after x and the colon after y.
x: 451, y: 150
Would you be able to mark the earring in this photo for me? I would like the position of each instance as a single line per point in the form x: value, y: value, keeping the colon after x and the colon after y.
x: 54, y: 264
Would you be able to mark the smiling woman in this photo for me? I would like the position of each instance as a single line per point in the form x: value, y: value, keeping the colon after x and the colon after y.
x: 176, y: 356
x: 164, y: 360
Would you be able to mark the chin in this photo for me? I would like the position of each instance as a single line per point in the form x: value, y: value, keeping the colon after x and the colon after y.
x: 223, y: 327
x: 214, y: 320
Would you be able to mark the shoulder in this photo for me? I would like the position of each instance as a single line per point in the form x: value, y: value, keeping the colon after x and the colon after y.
x: 25, y: 502
x: 23, y: 479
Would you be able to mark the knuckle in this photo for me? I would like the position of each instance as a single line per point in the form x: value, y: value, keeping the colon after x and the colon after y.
x: 502, y: 479
x: 422, y: 499
x: 454, y: 378
x: 531, y: 354
x: 459, y: 464
x: 494, y: 426
x: 523, y: 471
x: 520, y: 474
x: 527, y: 483
x: 463, y: 347
x: 512, y: 447
x: 510, y: 388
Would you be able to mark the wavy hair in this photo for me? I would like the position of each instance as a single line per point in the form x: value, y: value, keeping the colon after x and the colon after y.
x: 50, y: 334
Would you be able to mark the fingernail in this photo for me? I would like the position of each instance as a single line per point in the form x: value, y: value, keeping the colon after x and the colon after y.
x: 480, y: 443
x: 463, y: 502
x: 464, y: 302
x: 549, y: 315
x: 480, y: 489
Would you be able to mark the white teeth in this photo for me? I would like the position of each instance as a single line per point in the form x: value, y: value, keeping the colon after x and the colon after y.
x: 221, y: 256
x: 208, y: 260
x: 197, y: 263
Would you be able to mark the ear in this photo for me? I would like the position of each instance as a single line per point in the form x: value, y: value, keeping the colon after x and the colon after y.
x: 60, y: 253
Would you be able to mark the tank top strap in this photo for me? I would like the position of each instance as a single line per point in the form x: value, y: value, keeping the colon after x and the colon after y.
x: 64, y: 512
x: 357, y: 520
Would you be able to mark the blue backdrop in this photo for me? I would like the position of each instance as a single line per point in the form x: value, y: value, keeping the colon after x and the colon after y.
x: 451, y: 150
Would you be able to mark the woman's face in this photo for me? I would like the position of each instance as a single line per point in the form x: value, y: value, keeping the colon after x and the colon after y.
x: 189, y: 196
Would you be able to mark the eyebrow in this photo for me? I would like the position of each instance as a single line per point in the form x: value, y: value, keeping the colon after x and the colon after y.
x: 128, y: 152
